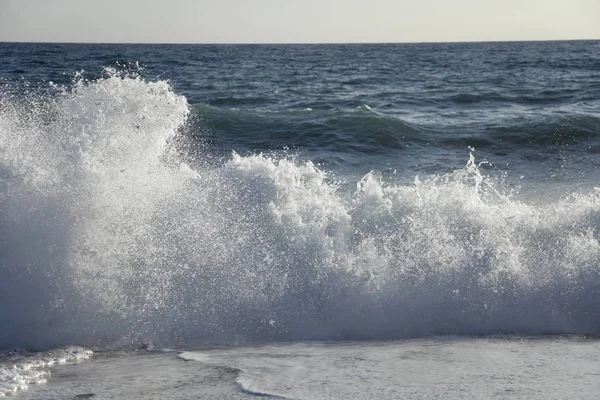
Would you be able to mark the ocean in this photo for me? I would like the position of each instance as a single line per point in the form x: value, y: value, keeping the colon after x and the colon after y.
x: 390, y: 221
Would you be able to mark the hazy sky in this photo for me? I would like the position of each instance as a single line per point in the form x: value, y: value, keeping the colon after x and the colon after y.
x: 290, y: 21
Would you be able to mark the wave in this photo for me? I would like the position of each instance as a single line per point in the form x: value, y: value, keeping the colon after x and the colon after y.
x: 109, y: 238
x: 354, y: 131
x: 19, y: 369
x: 551, y: 131
x: 363, y: 131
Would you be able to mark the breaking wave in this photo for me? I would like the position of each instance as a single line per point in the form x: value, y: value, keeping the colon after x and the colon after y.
x: 108, y: 237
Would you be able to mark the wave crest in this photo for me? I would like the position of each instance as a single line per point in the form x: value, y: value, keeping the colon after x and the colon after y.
x: 109, y: 237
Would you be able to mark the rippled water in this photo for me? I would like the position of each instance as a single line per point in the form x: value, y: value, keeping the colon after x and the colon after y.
x: 180, y: 196
x: 530, y: 108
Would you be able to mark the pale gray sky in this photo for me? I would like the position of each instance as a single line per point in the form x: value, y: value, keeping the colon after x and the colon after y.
x: 292, y: 21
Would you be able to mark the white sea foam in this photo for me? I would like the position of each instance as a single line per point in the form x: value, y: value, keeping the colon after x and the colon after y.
x: 108, y: 236
x: 449, y: 368
x: 19, y: 370
x: 364, y: 107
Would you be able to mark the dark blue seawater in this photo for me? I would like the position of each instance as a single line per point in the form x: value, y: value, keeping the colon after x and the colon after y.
x: 230, y: 193
x: 528, y: 108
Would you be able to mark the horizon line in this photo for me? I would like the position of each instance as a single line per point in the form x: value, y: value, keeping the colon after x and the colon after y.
x: 297, y: 43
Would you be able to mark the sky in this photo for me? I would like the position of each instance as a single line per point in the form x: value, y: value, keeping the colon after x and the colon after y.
x: 297, y: 21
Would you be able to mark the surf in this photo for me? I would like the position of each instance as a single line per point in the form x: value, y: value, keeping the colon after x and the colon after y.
x: 119, y: 229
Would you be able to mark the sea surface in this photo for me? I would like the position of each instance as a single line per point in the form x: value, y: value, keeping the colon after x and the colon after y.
x: 390, y: 221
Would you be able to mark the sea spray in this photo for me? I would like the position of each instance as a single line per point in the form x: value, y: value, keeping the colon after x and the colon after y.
x: 108, y: 237
x: 73, y: 166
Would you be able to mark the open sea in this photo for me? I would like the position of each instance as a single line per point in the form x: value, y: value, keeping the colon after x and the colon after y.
x: 373, y: 221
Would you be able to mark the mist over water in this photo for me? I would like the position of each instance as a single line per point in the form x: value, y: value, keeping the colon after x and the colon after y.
x: 117, y: 230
